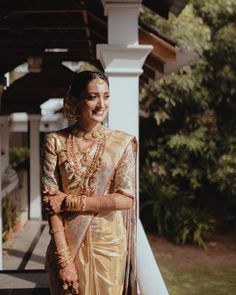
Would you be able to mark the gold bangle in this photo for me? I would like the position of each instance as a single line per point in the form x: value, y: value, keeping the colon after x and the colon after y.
x: 83, y: 203
x: 62, y: 251
x: 63, y: 257
x: 64, y: 264
x: 75, y: 203
x: 55, y: 230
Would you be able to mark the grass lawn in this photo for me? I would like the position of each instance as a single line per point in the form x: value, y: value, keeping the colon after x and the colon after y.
x: 189, y: 270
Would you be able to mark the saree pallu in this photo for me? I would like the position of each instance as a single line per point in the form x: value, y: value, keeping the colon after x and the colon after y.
x: 102, y: 245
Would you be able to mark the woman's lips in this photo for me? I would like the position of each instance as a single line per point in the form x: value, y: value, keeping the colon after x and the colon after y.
x: 98, y: 112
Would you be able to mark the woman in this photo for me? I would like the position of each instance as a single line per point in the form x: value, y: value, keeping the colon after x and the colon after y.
x: 88, y: 184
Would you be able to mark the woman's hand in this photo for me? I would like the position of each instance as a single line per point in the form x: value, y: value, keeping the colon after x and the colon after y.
x: 53, y: 201
x: 69, y: 278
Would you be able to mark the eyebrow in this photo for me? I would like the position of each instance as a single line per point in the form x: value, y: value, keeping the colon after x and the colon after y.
x: 96, y: 92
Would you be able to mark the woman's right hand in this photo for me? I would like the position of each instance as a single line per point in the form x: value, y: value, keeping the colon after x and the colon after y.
x: 69, y: 278
x: 53, y: 201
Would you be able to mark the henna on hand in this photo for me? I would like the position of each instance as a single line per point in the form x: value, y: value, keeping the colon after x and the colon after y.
x: 69, y: 278
x: 109, y: 202
x: 53, y: 202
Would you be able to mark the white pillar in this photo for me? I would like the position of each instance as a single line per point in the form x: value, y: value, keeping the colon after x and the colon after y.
x: 123, y: 65
x: 122, y: 22
x: 35, y: 193
x: 4, y: 121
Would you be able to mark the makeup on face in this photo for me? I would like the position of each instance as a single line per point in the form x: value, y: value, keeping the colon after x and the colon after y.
x: 95, y: 102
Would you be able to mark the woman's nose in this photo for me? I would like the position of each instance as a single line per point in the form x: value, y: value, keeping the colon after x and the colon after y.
x: 101, y: 102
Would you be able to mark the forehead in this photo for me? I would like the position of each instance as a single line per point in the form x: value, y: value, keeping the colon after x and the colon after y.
x: 97, y: 85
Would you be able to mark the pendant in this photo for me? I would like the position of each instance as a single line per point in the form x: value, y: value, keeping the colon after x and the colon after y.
x: 85, y: 160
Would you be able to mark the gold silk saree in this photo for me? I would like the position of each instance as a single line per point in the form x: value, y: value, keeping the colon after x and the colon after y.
x: 102, y: 245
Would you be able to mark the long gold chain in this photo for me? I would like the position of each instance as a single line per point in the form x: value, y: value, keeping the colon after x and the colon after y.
x: 85, y: 164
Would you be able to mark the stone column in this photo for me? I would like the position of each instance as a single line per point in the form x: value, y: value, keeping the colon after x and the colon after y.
x: 35, y: 193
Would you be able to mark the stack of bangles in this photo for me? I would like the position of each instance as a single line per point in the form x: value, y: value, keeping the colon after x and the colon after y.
x: 63, y: 257
x: 77, y: 204
x: 71, y: 203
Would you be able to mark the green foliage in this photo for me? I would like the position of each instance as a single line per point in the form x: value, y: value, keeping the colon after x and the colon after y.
x: 190, y: 135
x: 9, y: 216
x: 18, y: 154
x: 187, y: 30
x: 171, y: 213
x: 215, y: 13
x: 192, y: 225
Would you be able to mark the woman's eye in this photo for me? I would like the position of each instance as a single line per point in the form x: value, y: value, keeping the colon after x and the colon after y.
x: 91, y: 97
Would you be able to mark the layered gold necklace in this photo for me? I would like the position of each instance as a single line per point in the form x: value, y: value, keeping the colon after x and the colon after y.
x: 85, y: 159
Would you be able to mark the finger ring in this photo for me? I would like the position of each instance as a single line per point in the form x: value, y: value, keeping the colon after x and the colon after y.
x: 45, y: 199
x: 75, y: 285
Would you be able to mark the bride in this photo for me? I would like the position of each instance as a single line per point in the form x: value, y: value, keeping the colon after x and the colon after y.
x: 88, y: 183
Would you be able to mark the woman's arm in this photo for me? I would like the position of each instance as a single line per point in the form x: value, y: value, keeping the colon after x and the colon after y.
x: 96, y: 204
x: 50, y: 187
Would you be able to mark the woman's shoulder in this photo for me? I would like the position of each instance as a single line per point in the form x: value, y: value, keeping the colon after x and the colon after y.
x: 121, y: 133
x: 59, y: 133
x: 121, y: 136
x: 58, y: 137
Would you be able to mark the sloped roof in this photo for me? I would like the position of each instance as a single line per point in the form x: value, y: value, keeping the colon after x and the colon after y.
x: 27, y: 93
x: 163, y: 7
x: 34, y: 27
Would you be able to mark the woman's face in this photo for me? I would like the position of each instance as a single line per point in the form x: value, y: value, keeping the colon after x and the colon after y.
x: 94, y: 105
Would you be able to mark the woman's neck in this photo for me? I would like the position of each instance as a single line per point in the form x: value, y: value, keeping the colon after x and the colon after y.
x: 87, y: 127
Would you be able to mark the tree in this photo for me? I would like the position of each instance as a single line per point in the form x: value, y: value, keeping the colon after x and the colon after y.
x: 192, y: 146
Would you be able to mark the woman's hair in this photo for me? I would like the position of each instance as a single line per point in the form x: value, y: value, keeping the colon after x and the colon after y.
x: 76, y: 90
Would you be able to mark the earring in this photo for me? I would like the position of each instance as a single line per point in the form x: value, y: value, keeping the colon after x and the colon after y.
x: 69, y: 110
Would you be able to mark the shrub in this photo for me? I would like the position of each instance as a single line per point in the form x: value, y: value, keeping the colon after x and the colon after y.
x: 18, y: 154
x: 9, y: 216
x: 166, y: 211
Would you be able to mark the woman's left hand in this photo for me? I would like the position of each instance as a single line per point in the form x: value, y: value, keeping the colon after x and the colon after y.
x: 54, y: 201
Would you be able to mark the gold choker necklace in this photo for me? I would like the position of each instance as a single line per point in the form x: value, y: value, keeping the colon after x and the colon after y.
x: 95, y: 133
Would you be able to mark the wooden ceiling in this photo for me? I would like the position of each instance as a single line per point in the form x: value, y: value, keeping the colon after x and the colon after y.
x: 35, y: 27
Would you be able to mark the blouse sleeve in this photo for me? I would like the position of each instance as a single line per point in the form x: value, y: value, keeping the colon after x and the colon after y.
x: 125, y: 175
x: 49, y: 170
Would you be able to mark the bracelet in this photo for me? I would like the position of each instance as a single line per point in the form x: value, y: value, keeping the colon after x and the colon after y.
x: 55, y: 230
x: 63, y: 257
x: 83, y: 202
x: 75, y: 203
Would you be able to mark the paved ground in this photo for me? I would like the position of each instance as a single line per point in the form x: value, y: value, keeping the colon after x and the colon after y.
x: 23, y: 261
